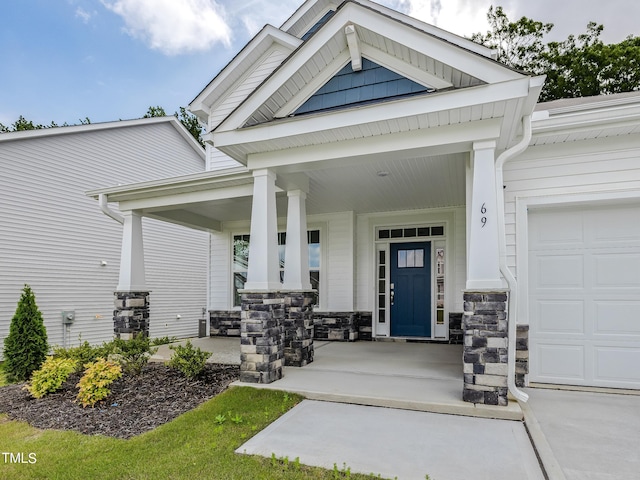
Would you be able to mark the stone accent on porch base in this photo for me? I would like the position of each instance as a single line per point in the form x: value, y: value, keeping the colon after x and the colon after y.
x: 298, y: 328
x: 485, y: 350
x: 262, y: 337
x: 224, y: 323
x: 343, y: 326
x: 522, y: 354
x: 131, y: 314
x: 456, y: 336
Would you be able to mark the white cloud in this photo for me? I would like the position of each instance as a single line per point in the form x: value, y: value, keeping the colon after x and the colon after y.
x: 174, y: 26
x: 463, y: 17
x: 83, y: 15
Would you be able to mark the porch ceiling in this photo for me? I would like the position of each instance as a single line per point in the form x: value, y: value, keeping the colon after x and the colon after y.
x: 206, y: 201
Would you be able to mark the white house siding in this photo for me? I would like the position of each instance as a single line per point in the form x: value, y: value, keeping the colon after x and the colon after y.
x: 338, y: 262
x: 577, y: 168
x: 54, y: 238
x: 270, y: 61
x: 220, y: 281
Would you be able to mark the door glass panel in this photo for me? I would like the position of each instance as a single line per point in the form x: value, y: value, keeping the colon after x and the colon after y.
x: 411, y: 258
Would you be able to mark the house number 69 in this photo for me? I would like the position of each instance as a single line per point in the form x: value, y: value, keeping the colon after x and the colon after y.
x: 483, y: 219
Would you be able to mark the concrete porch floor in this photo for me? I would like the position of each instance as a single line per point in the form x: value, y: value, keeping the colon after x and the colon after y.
x: 412, y: 376
x: 396, y: 374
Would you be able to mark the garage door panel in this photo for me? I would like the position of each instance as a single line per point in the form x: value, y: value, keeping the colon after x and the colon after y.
x: 617, y: 365
x: 556, y: 363
x: 556, y: 230
x: 616, y: 270
x: 559, y: 271
x: 584, y: 295
x: 560, y: 316
x: 617, y: 317
x: 610, y: 229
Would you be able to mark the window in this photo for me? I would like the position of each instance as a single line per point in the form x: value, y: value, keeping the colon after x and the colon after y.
x: 435, y: 231
x: 411, y: 258
x: 241, y: 260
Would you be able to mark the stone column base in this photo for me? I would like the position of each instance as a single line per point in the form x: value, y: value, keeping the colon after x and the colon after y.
x: 485, y: 350
x: 298, y: 328
x: 261, y: 337
x: 131, y: 314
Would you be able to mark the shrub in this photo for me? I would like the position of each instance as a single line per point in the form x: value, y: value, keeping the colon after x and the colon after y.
x: 83, y: 353
x: 51, y: 375
x: 163, y: 340
x: 94, y: 384
x: 189, y: 360
x: 25, y: 348
x: 133, y: 354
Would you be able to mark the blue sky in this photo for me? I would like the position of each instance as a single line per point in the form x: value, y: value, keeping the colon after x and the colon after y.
x: 64, y: 60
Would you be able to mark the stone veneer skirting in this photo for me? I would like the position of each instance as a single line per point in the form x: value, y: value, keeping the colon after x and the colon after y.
x: 485, y: 348
x: 522, y: 354
x: 338, y: 326
x: 276, y: 329
x: 131, y: 314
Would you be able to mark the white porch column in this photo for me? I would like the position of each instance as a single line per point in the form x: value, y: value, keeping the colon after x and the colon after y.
x: 263, y: 272
x: 483, y: 261
x: 296, y: 260
x: 132, y: 275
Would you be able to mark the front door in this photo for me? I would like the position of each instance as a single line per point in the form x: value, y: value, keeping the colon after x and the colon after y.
x: 410, y: 289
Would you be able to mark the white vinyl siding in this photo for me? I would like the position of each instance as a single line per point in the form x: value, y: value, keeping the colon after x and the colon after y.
x: 220, y: 275
x: 592, y: 166
x: 54, y: 238
x: 270, y: 61
x: 339, y: 260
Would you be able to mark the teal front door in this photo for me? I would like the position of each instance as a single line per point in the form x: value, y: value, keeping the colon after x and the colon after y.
x: 410, y: 289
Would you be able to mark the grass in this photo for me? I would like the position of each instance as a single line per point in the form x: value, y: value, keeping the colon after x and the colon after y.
x: 199, y: 444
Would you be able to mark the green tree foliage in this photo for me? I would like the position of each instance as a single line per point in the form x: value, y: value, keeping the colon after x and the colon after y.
x: 189, y: 120
x: 576, y: 67
x: 25, y: 348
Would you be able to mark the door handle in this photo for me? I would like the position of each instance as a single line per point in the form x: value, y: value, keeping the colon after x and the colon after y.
x: 392, y: 295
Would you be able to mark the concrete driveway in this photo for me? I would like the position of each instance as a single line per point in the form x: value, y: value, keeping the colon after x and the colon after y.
x: 591, y: 435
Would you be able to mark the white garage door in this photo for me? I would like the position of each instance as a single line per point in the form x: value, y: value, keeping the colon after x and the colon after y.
x: 584, y: 296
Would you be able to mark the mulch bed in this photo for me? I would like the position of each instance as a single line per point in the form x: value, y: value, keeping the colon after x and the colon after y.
x: 136, y: 404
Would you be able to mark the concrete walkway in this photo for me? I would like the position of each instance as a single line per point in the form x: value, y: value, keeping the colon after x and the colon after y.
x: 588, y: 435
x: 399, y: 443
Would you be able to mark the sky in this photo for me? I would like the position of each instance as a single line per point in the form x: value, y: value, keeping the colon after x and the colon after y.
x: 67, y: 60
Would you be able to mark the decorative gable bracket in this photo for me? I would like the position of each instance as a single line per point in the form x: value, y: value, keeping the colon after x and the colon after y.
x: 354, y: 47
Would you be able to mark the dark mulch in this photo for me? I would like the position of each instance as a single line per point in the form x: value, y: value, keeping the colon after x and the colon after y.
x: 136, y: 404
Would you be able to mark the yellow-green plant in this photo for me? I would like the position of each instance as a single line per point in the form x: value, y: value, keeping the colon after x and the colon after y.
x: 51, y: 375
x: 94, y: 384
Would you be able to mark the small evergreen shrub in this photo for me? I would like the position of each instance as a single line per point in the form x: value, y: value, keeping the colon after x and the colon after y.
x: 25, y: 348
x: 163, y: 340
x: 133, y: 354
x: 189, y: 360
x: 94, y: 384
x: 83, y: 353
x: 51, y: 375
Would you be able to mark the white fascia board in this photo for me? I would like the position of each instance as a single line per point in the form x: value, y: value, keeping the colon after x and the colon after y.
x: 91, y: 127
x: 583, y: 120
x: 302, y: 11
x: 431, y: 29
x: 459, y: 58
x: 183, y: 199
x: 191, y: 182
x: 416, y: 105
x: 440, y: 140
x: 193, y: 143
x: 262, y: 41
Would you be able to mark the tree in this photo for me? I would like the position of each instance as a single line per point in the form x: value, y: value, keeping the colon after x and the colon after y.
x: 575, y: 67
x: 519, y: 44
x: 23, y: 124
x: 25, y: 348
x: 189, y: 120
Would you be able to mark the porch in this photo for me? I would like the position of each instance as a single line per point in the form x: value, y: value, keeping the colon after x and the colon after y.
x: 406, y: 375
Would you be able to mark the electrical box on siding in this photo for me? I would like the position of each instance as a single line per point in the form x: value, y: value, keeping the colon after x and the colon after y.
x: 68, y: 317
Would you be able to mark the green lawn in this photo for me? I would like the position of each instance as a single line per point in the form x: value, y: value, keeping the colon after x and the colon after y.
x: 198, y: 445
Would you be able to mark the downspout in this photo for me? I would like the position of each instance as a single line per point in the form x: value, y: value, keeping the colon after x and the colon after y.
x: 502, y: 246
x: 104, y: 206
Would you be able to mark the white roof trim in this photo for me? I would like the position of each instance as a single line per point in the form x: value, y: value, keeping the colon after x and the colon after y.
x: 262, y: 41
x: 96, y: 127
x: 352, y: 12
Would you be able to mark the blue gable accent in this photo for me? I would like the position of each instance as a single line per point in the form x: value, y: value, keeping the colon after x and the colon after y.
x: 348, y: 88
